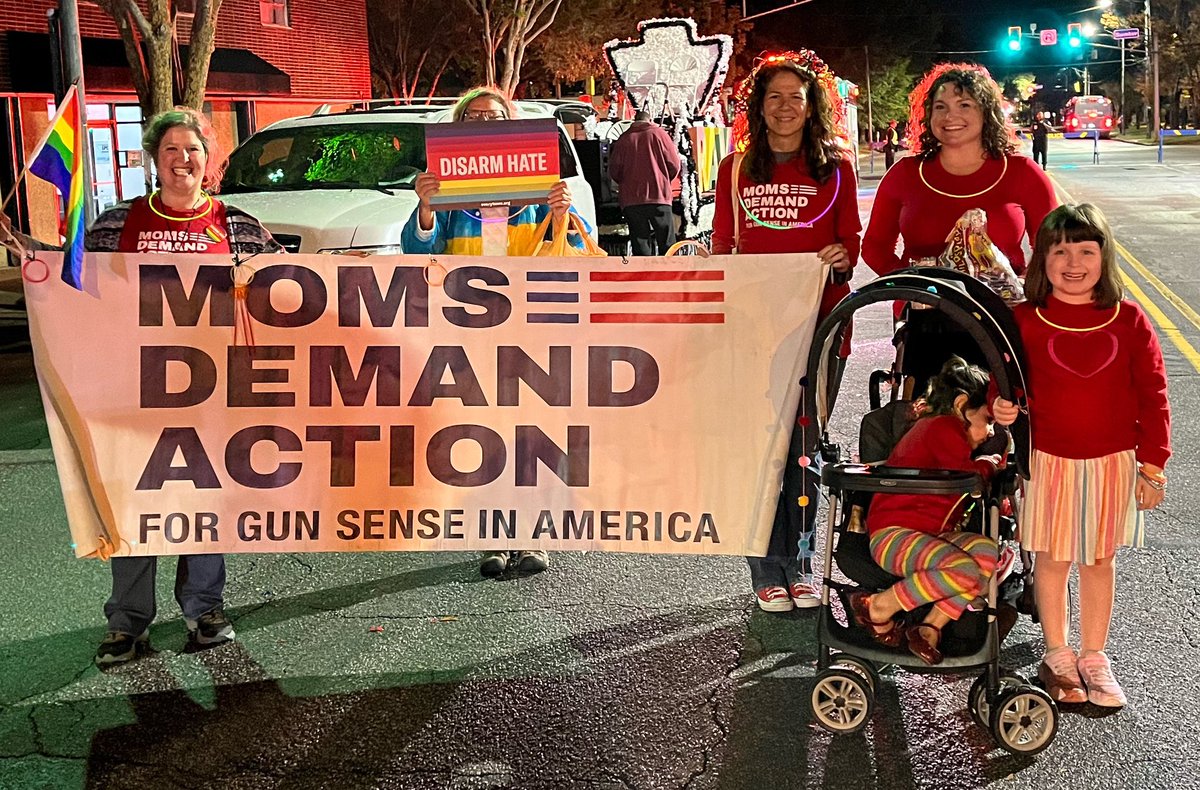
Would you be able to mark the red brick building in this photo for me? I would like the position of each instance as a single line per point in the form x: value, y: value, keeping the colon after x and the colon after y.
x: 274, y: 59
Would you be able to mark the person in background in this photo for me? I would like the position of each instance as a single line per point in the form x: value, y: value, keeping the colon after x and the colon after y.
x: 791, y: 142
x: 485, y: 231
x: 181, y: 216
x: 1041, y: 139
x: 644, y: 161
x: 891, y: 144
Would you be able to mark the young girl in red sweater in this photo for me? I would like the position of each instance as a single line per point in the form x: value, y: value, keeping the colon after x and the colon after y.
x: 918, y: 536
x: 1093, y: 360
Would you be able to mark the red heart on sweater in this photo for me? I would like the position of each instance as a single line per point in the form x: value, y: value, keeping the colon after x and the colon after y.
x: 1083, y: 353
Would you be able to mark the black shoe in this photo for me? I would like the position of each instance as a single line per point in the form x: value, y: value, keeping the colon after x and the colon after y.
x: 118, y: 647
x: 528, y: 562
x: 211, y: 629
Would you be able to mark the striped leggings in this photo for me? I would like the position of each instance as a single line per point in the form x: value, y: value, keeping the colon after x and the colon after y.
x: 948, y: 570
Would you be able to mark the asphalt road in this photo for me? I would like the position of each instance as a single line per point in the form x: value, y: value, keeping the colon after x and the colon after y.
x: 607, y: 672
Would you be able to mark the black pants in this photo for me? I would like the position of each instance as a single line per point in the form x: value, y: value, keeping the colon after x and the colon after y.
x: 1039, y: 154
x: 650, y: 224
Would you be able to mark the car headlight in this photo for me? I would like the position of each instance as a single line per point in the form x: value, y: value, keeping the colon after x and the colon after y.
x: 382, y: 249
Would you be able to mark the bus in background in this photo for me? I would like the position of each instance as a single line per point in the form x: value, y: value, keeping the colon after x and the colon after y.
x: 1087, y: 114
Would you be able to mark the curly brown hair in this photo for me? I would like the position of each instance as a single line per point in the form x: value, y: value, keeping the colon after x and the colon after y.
x: 970, y: 79
x: 822, y: 149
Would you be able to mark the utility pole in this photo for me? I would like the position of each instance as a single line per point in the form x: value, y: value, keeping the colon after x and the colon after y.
x: 1152, y: 52
x: 72, y: 55
x: 1123, y: 86
x: 870, y: 114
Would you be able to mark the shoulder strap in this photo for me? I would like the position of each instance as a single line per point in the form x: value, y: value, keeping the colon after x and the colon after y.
x: 737, y: 220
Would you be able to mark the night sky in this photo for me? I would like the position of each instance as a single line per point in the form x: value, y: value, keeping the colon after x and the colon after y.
x: 930, y: 31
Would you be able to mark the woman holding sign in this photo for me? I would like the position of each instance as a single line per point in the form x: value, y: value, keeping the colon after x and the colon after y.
x: 180, y: 216
x: 486, y: 231
x: 792, y: 190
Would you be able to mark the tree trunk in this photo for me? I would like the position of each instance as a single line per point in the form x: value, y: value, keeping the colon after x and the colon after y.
x: 200, y: 49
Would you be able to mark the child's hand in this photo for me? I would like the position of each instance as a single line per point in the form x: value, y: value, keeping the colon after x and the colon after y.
x: 1147, y: 493
x: 1004, y: 412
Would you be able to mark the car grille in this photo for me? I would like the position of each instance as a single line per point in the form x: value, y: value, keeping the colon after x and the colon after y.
x: 290, y: 242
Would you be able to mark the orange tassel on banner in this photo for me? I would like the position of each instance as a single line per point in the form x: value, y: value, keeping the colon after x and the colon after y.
x: 243, y: 326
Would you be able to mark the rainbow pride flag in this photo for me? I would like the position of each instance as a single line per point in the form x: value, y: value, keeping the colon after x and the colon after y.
x: 59, y: 160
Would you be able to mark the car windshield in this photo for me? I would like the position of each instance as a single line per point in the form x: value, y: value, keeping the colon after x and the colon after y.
x: 333, y: 156
x: 1098, y: 107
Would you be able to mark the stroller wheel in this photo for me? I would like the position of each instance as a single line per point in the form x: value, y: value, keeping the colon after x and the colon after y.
x: 864, y: 668
x: 842, y: 700
x: 977, y: 701
x: 1024, y: 720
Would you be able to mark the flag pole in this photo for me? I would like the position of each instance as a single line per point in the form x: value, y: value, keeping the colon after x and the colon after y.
x: 37, y: 149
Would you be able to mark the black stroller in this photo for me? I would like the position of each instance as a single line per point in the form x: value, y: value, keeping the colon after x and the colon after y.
x: 1021, y: 716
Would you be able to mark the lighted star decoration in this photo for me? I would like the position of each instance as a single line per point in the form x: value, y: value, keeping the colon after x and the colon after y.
x: 670, y: 69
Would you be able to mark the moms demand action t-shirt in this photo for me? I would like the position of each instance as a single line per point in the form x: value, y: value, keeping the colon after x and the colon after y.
x: 171, y: 230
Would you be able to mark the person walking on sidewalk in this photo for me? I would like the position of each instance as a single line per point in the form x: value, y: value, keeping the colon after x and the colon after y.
x: 643, y: 163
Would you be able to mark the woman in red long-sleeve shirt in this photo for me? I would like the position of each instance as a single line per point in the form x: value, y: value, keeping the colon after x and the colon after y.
x: 964, y: 157
x: 793, y: 190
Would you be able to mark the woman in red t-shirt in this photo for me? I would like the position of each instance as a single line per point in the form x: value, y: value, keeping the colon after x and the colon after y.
x: 794, y: 163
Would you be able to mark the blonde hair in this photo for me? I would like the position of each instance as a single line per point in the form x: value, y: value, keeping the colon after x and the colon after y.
x: 484, y: 92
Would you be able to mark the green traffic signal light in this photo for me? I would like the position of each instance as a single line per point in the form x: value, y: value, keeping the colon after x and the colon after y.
x: 1075, y: 35
x: 1014, y: 39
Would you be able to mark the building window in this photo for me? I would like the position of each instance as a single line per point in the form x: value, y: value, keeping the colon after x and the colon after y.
x: 274, y: 12
x: 185, y: 7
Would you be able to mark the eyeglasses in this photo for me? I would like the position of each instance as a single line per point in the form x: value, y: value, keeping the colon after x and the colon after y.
x: 485, y: 115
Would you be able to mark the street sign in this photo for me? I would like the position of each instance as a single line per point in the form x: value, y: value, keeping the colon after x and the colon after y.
x: 1123, y: 33
x: 1049, y: 37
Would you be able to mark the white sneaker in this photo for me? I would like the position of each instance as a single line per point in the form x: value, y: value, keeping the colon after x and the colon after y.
x: 773, y: 599
x: 805, y: 595
x: 1096, y: 673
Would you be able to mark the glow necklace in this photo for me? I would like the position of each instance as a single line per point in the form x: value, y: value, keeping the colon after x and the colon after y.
x: 204, y: 213
x: 792, y: 226
x: 921, y: 173
x: 1048, y: 322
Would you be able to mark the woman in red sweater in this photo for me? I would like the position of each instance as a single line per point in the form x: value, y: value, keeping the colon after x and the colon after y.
x: 1101, y: 428
x: 964, y: 157
x: 918, y: 536
x: 793, y: 190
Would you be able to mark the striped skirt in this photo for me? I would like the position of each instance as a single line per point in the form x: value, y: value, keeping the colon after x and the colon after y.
x: 1081, y: 510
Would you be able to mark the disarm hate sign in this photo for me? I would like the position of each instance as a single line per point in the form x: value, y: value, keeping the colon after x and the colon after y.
x: 498, y: 163
x: 560, y: 403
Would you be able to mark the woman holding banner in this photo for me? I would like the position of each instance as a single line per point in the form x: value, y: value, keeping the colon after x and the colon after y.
x: 180, y: 216
x: 486, y: 231
x: 791, y: 147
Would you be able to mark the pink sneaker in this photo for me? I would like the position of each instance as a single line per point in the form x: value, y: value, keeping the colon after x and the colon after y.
x: 1060, y: 677
x: 1102, y: 687
x: 804, y: 595
x: 773, y: 599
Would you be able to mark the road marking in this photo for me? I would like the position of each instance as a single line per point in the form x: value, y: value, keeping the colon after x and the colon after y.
x: 1165, y: 324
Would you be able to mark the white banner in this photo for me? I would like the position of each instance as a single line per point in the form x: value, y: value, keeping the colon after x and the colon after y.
x: 393, y: 404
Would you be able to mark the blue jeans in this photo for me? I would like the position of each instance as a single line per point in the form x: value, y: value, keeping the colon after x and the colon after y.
x: 199, y: 588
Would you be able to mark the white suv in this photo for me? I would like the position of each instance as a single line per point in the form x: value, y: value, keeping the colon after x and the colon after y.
x: 343, y: 183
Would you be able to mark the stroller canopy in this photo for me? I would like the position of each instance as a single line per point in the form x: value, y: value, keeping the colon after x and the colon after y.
x: 966, y: 302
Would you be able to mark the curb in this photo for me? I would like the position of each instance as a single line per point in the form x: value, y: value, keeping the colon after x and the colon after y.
x: 42, y: 455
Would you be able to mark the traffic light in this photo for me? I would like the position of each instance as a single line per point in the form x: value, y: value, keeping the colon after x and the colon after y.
x: 1014, y: 38
x: 1075, y: 35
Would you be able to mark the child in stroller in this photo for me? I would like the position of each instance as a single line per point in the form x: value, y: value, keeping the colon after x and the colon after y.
x: 919, y: 537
